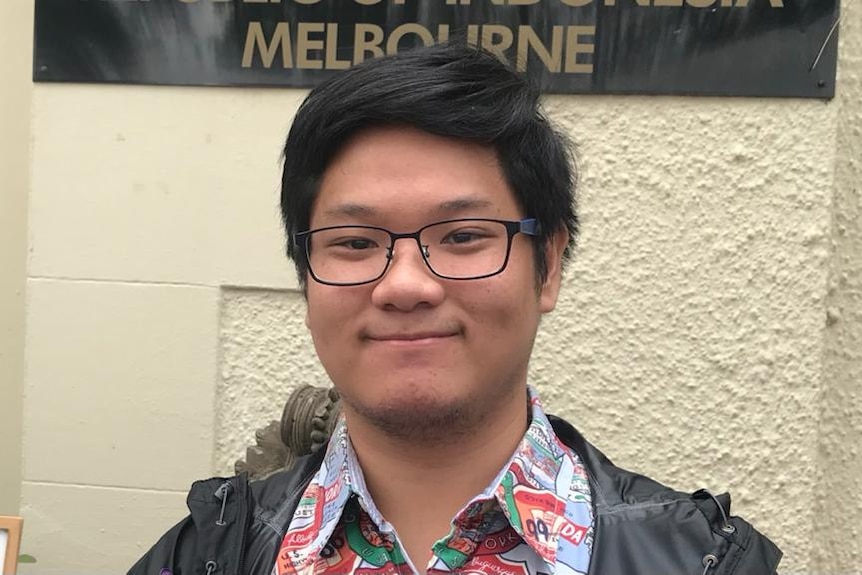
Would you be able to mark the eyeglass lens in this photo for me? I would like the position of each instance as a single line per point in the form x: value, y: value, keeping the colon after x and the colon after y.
x: 460, y: 249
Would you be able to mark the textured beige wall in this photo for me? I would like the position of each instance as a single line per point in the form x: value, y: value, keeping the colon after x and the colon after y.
x: 691, y: 342
x: 15, y: 69
x: 838, y: 521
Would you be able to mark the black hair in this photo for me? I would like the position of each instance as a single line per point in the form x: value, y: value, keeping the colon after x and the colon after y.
x: 452, y: 90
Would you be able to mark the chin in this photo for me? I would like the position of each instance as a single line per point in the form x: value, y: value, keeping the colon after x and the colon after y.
x: 405, y: 414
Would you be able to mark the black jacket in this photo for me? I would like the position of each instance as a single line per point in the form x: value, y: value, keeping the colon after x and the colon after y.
x: 641, y: 527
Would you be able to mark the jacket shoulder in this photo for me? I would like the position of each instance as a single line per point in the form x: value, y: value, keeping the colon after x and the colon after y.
x: 161, y: 558
x: 233, y: 523
x: 643, y: 527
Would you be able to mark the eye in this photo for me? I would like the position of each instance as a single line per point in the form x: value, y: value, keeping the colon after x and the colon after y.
x: 463, y: 237
x: 355, y: 243
x: 351, y: 241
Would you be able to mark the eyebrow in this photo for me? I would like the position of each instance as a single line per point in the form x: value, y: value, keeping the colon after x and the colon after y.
x: 462, y: 204
x: 352, y: 209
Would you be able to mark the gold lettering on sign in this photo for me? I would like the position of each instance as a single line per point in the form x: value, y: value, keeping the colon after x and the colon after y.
x: 403, y: 30
x: 772, y: 3
x: 304, y: 45
x: 332, y: 61
x: 654, y: 3
x: 255, y: 40
x: 497, y: 47
x: 362, y: 44
x: 527, y: 38
x: 443, y: 33
x: 574, y: 47
x: 612, y: 2
x: 473, y: 35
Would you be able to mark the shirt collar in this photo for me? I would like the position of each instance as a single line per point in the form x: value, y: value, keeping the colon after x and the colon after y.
x: 531, y: 488
x: 342, y: 477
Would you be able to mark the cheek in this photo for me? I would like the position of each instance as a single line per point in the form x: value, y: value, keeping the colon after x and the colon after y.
x: 324, y: 315
x: 504, y: 309
x: 333, y: 315
x: 327, y: 324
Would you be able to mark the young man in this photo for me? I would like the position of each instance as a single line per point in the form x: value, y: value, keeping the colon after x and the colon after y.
x: 428, y: 205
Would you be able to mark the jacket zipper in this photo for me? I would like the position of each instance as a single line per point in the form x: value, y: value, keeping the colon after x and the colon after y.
x: 242, y: 518
x: 244, y: 513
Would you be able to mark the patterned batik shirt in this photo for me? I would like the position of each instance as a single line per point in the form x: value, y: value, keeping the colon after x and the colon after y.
x: 535, y: 518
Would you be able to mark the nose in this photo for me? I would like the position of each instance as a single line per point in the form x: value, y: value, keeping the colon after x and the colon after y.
x: 408, y: 283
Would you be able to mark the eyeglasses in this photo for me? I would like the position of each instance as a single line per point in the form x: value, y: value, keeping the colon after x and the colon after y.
x: 465, y: 249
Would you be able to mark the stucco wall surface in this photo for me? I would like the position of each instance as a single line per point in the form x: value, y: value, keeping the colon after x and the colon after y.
x: 839, y: 505
x: 265, y: 354
x: 688, y: 339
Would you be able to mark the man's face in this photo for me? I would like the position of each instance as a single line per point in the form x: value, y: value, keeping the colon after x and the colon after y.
x: 411, y: 353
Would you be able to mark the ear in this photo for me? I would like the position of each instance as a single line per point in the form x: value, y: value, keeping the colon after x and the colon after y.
x: 554, y: 249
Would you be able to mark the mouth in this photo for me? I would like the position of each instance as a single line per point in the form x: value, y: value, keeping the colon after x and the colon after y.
x: 413, y: 338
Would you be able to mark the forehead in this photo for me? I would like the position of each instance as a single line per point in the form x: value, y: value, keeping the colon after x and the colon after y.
x: 401, y: 175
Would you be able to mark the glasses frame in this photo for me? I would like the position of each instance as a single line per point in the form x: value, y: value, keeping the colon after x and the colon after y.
x: 527, y: 226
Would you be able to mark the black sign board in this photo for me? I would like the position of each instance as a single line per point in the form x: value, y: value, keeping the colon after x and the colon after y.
x: 704, y: 47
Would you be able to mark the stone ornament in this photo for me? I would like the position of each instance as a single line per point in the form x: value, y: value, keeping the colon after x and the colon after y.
x: 307, y: 421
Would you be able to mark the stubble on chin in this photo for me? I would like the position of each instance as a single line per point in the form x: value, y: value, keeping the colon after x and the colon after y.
x: 422, y: 422
x: 418, y: 416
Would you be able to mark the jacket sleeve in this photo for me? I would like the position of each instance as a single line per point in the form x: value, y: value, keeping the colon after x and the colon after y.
x: 173, y: 554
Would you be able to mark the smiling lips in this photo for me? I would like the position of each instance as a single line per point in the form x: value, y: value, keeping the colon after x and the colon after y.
x: 408, y: 338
